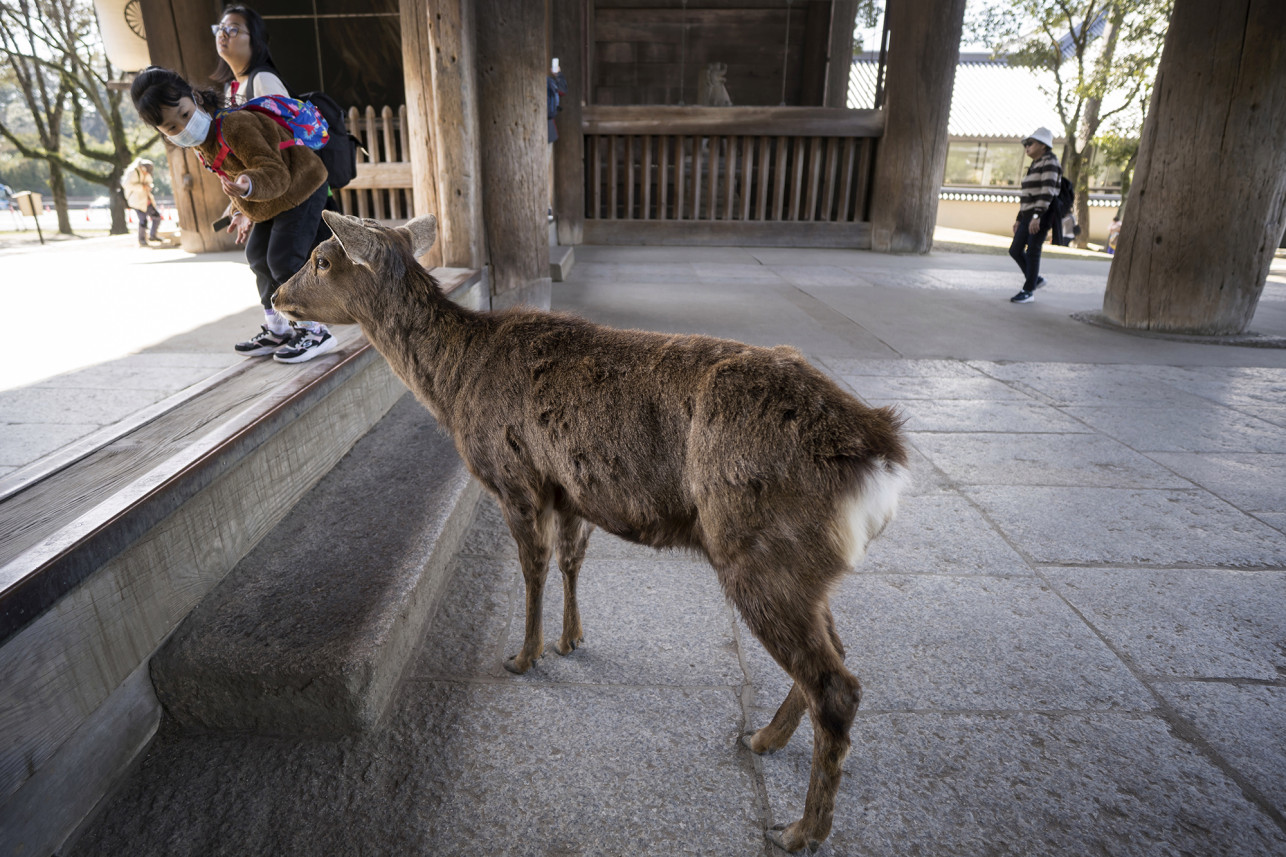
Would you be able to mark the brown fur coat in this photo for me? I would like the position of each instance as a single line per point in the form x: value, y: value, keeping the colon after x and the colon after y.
x: 280, y: 178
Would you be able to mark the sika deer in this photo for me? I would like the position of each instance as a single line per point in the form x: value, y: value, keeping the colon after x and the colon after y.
x: 748, y: 455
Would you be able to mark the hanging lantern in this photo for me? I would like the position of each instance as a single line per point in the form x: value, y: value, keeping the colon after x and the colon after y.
x: 124, y: 40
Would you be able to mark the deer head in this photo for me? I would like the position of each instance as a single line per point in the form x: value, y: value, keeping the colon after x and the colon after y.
x: 348, y: 277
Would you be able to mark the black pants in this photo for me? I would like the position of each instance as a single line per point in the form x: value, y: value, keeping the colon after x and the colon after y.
x: 277, y: 248
x: 1025, y: 250
x: 143, y: 217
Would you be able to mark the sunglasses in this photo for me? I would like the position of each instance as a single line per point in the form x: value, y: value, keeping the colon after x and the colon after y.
x: 231, y: 31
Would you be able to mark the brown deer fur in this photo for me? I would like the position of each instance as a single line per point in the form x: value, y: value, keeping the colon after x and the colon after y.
x: 747, y: 455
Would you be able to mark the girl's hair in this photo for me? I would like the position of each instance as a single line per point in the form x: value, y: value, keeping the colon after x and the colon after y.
x: 259, y: 54
x: 155, y: 88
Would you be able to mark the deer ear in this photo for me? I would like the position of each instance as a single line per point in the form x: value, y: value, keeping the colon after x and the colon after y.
x: 423, y: 232
x: 358, y: 241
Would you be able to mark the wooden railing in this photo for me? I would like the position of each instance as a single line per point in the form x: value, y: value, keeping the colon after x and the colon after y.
x: 382, y: 188
x: 697, y: 168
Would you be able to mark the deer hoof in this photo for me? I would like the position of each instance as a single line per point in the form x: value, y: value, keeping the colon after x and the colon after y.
x: 519, y: 664
x: 788, y: 838
x: 759, y: 748
x: 566, y: 647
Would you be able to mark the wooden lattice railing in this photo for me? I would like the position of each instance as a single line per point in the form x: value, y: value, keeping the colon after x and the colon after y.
x: 382, y: 188
x: 727, y: 165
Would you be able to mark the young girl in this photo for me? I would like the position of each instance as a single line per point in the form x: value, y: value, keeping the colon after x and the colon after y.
x: 280, y: 190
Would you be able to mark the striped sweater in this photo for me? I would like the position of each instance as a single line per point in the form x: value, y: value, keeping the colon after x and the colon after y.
x: 1040, y: 186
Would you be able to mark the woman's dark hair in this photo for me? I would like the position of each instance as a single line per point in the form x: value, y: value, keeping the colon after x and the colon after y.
x: 259, y: 54
x: 155, y: 88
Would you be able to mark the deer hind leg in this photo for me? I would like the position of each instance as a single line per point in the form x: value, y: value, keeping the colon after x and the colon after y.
x: 801, y: 638
x: 573, y: 535
x: 531, y: 526
x: 776, y: 734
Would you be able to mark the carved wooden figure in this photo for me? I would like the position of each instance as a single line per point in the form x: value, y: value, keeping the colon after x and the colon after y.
x: 749, y: 456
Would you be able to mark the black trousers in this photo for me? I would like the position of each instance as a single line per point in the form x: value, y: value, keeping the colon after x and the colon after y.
x: 1025, y: 250
x: 278, y: 248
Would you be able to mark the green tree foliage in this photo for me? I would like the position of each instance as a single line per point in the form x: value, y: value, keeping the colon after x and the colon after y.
x: 54, y: 59
x: 1102, y: 81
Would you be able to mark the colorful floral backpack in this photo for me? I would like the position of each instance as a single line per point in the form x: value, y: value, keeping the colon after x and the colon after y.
x: 302, y: 119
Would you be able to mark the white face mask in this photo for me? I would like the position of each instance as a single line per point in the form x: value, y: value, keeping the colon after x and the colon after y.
x: 195, y: 132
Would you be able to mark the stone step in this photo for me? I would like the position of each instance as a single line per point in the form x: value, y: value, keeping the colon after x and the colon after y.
x: 310, y: 633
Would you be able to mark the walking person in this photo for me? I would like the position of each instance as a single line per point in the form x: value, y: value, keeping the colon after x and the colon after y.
x: 279, y: 190
x: 276, y: 247
x: 136, y: 184
x: 1036, y: 211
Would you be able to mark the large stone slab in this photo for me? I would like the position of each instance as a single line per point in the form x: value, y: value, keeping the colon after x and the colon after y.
x: 1253, y: 482
x: 1043, y: 459
x: 1110, y: 526
x: 1185, y: 623
x: 941, y: 534
x: 1026, y: 785
x: 1093, y: 384
x: 1245, y: 725
x: 477, y: 768
x: 980, y: 415
x: 934, y: 388
x: 929, y: 643
x: 1206, y: 429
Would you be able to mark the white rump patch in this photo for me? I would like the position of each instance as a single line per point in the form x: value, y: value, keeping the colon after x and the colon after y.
x: 866, y: 513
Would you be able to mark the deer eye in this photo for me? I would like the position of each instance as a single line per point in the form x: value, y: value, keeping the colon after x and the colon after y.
x: 322, y: 263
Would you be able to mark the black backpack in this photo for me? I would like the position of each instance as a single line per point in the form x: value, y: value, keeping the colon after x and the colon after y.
x: 340, y: 152
x: 1066, y: 193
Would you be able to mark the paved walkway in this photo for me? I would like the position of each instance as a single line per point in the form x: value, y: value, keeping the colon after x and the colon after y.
x: 1072, y: 640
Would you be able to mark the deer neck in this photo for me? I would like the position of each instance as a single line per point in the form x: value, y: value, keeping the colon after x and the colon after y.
x: 427, y: 340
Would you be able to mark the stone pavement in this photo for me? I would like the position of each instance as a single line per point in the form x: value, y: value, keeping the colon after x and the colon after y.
x: 1072, y: 640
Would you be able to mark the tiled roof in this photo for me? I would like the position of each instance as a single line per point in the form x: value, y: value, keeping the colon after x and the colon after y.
x: 991, y: 99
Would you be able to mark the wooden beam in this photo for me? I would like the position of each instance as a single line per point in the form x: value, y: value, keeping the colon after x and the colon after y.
x: 1206, y: 208
x: 839, y: 64
x: 925, y: 48
x: 794, y: 121
x: 569, y: 45
x: 455, y: 121
x: 417, y: 72
x: 735, y: 233
x: 514, y: 143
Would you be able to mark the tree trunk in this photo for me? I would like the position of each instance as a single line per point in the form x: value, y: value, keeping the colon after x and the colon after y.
x: 514, y: 138
x: 1208, y: 203
x: 58, y: 190
x: 1089, y: 126
x: 912, y: 155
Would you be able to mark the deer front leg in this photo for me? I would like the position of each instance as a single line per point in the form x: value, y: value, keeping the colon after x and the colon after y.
x: 573, y: 535
x: 530, y: 527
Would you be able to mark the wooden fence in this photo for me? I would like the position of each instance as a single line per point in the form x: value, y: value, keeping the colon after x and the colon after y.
x: 382, y: 187
x: 791, y: 175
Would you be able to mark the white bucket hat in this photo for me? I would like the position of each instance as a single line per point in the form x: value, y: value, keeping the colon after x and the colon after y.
x: 1042, y: 135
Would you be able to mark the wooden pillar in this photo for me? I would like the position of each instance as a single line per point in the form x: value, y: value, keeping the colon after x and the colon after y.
x: 569, y: 44
x: 1207, y: 206
x: 448, y: 90
x: 178, y: 38
x: 422, y: 136
x: 839, y: 65
x: 514, y: 137
x: 924, y: 47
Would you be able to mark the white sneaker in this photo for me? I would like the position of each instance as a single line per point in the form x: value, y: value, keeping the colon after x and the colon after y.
x: 305, y: 346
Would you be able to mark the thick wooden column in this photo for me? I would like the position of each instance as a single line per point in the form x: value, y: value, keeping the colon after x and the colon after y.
x: 839, y: 64
x: 1207, y: 205
x: 450, y: 97
x: 178, y: 38
x: 422, y: 136
x: 514, y: 142
x: 569, y: 45
x: 924, y: 47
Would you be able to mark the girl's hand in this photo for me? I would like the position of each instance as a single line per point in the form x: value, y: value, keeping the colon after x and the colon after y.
x: 1015, y: 227
x: 238, y: 189
x: 241, y: 225
x: 1035, y: 225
